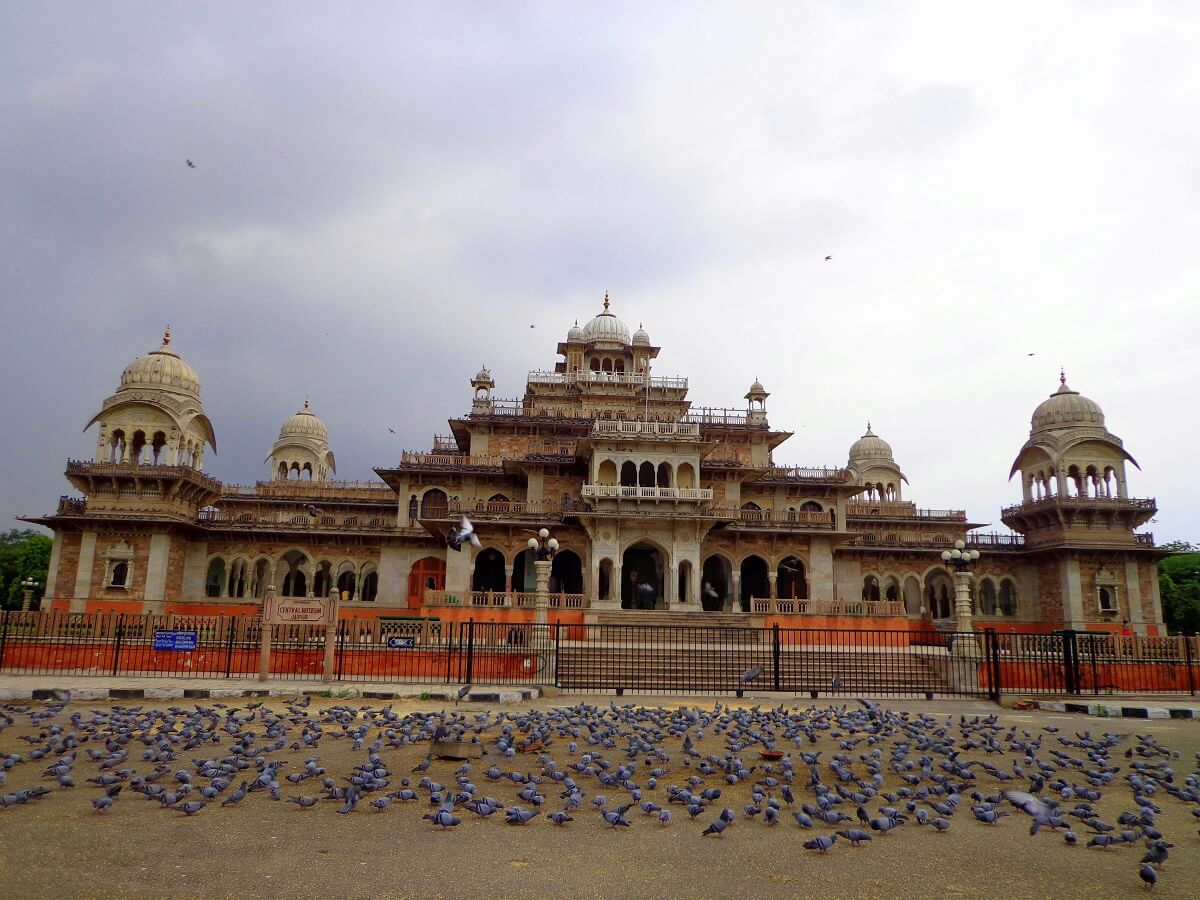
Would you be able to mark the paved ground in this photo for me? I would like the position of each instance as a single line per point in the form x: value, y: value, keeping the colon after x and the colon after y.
x: 59, y: 847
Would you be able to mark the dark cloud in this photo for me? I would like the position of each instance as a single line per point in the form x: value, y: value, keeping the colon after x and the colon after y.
x: 387, y: 196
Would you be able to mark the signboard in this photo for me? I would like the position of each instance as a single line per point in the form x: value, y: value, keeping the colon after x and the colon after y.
x: 396, y: 642
x: 175, y: 640
x: 300, y: 610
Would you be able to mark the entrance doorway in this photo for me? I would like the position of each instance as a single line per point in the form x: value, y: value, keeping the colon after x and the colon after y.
x: 717, y: 576
x: 642, y: 567
x: 754, y: 580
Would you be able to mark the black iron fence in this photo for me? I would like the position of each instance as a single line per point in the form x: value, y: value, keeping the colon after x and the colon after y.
x: 634, y: 658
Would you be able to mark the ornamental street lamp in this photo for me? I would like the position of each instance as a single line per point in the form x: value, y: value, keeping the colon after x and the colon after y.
x: 28, y: 586
x: 962, y: 558
x: 543, y: 548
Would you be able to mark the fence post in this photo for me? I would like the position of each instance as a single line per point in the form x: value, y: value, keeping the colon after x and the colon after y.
x: 117, y: 645
x: 470, y: 648
x: 229, y: 647
x: 343, y: 627
x: 4, y: 639
x: 1070, y: 661
x: 1091, y: 643
x: 775, y: 657
x: 1187, y: 650
x: 991, y: 642
x: 554, y: 667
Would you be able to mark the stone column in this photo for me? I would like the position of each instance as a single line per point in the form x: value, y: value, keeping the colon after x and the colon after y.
x: 964, y: 644
x: 773, y: 578
x: 508, y: 576
x: 542, y: 600
x: 734, y: 600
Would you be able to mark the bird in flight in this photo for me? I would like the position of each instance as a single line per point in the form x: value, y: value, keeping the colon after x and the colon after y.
x: 312, y: 510
x: 828, y: 258
x: 392, y: 430
x: 191, y: 165
x: 465, y: 534
x: 1031, y: 354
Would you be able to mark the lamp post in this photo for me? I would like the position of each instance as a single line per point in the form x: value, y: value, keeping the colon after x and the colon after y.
x: 543, y: 547
x: 28, y: 586
x: 962, y: 558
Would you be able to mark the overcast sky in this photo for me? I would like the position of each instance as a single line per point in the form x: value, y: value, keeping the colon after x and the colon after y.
x: 387, y: 196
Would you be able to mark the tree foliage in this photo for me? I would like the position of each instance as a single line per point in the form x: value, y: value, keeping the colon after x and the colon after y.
x: 24, y: 553
x: 1179, y: 585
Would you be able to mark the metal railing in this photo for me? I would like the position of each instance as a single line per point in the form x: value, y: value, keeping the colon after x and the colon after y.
x: 633, y: 657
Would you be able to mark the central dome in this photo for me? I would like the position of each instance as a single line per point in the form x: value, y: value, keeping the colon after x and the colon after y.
x: 606, y: 327
x: 162, y: 370
x: 304, y: 424
x: 1066, y: 409
x: 870, y: 446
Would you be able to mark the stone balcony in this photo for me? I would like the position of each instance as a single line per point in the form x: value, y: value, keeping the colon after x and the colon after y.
x: 633, y: 492
x: 902, y: 509
x: 441, y: 462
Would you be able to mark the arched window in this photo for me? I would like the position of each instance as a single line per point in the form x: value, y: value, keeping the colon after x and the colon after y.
x: 607, y: 474
x: 870, y: 589
x: 606, y: 365
x: 987, y: 597
x: 619, y: 366
x: 120, y: 575
x: 435, y: 505
x: 646, y: 475
x: 370, y: 587
x: 594, y: 364
x: 629, y: 475
x: 215, y: 579
x: 1008, y: 598
x: 664, y: 474
x: 811, y: 506
x: 412, y: 506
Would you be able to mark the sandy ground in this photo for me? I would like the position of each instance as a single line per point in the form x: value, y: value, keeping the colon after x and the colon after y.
x: 59, y: 847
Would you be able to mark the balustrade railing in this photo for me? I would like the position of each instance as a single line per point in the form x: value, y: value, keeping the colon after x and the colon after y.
x: 504, y: 509
x: 629, y: 492
x: 604, y: 427
x: 789, y: 607
x: 309, y: 490
x: 289, y: 520
x: 806, y: 518
x: 1147, y: 504
x: 504, y: 599
x: 901, y: 510
x: 593, y: 378
x: 808, y: 473
x: 449, y: 460
x: 711, y: 415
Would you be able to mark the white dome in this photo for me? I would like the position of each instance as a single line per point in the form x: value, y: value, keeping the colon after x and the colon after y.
x: 1066, y: 409
x: 640, y: 336
x: 575, y: 333
x: 304, y: 424
x: 162, y: 370
x: 606, y: 327
x: 870, y: 446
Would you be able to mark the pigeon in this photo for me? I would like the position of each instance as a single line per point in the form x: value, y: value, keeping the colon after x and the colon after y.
x: 855, y: 836
x: 821, y: 843
x: 462, y: 693
x: 559, y: 818
x: 615, y: 817
x: 750, y: 674
x: 464, y: 534
x: 1148, y: 875
x: 190, y: 164
x: 392, y: 430
x: 303, y: 802
x: 517, y: 816
x: 236, y: 797
x: 828, y: 258
x: 443, y: 818
x: 717, y: 827
x: 312, y: 511
x: 191, y: 807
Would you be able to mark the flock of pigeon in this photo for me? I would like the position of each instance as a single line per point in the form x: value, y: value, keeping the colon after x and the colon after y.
x: 622, y: 763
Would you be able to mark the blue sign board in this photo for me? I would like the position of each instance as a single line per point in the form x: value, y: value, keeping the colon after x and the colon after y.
x: 175, y: 640
x: 401, y: 643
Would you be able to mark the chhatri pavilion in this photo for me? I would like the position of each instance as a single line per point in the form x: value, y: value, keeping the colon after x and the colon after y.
x: 663, y: 511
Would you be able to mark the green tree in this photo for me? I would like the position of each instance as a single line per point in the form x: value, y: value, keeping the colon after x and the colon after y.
x: 24, y: 553
x: 1179, y: 586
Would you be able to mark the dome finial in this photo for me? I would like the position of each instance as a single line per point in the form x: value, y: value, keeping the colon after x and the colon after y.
x: 167, y: 337
x: 869, y: 426
x: 606, y: 301
x: 306, y: 401
x: 1062, y: 375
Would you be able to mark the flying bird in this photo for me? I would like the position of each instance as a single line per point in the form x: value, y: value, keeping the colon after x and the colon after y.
x: 465, y: 534
x: 750, y: 674
x: 312, y: 510
x: 190, y: 164
x: 828, y: 258
x: 392, y: 430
